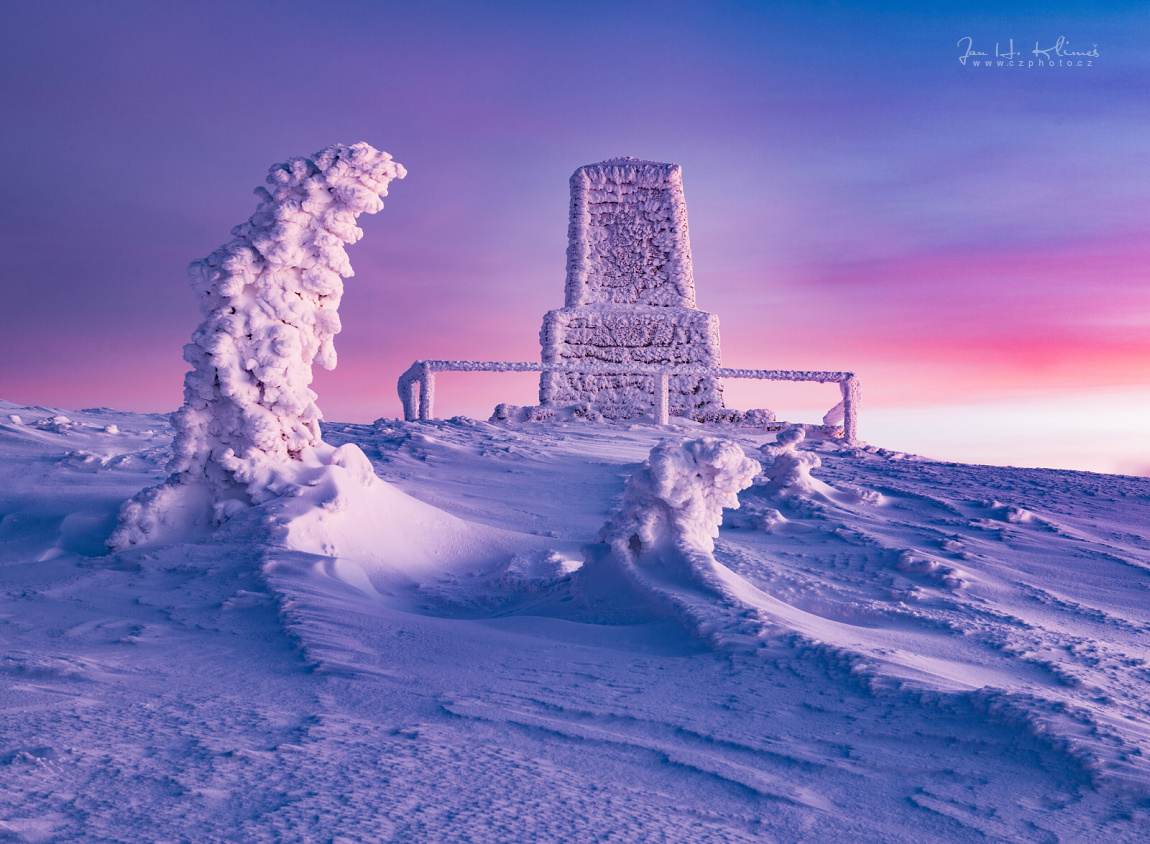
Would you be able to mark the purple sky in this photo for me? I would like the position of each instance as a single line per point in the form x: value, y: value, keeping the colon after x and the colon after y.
x: 858, y: 199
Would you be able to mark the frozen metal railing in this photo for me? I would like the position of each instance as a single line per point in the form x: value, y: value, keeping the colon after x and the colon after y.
x: 417, y: 384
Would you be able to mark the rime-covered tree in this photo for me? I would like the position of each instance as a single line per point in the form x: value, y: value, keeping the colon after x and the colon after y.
x: 270, y: 300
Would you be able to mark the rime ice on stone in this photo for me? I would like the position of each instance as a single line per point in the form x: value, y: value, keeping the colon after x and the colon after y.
x: 630, y: 294
x: 627, y: 236
x: 629, y: 340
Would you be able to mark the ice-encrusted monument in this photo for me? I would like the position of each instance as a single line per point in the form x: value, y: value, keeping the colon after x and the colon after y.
x: 630, y: 295
x: 629, y: 341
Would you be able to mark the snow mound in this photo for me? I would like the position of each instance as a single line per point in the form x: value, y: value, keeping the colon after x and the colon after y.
x: 660, y: 540
x: 345, y: 537
x: 269, y: 299
x: 382, y: 536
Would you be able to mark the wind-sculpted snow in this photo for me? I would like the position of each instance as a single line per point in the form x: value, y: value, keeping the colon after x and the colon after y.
x: 900, y: 605
x: 789, y: 470
x: 962, y: 651
x: 270, y: 300
x: 659, y: 542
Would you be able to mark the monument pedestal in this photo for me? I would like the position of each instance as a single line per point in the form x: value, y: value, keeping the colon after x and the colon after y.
x: 622, y: 334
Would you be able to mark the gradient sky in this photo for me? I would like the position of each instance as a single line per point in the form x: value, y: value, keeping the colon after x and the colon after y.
x: 972, y: 242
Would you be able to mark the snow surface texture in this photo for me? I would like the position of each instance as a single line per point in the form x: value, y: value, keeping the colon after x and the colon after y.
x: 630, y: 294
x: 270, y: 300
x: 884, y: 648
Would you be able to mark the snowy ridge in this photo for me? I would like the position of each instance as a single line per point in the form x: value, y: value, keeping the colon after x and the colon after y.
x: 665, y: 556
x: 733, y: 610
x: 661, y: 552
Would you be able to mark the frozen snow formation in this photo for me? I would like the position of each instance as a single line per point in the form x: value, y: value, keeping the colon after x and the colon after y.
x: 270, y: 300
x: 662, y: 535
x: 790, y: 468
x: 678, y: 495
x: 630, y: 295
x: 629, y: 341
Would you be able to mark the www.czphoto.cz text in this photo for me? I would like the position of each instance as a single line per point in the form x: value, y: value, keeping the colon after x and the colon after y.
x: 1062, y: 57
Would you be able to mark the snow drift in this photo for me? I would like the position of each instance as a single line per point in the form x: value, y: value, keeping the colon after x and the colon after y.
x: 346, y: 523
x: 270, y: 300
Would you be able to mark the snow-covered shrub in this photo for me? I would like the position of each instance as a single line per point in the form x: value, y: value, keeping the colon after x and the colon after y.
x: 790, y: 468
x: 658, y: 545
x: 677, y: 496
x: 269, y: 299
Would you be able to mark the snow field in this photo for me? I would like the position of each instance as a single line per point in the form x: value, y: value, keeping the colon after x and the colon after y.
x: 884, y: 647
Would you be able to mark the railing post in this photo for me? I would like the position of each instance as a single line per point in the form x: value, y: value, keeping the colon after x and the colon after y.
x: 662, y: 399
x: 409, y: 392
x: 411, y: 401
x: 850, y: 391
x: 426, y: 393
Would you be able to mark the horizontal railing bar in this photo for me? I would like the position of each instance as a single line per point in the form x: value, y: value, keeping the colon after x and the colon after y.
x: 632, y: 369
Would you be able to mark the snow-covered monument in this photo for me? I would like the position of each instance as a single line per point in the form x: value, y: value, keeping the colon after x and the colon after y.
x: 629, y: 340
x: 630, y: 295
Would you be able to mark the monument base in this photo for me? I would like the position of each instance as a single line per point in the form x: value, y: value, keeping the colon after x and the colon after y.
x: 612, y: 335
